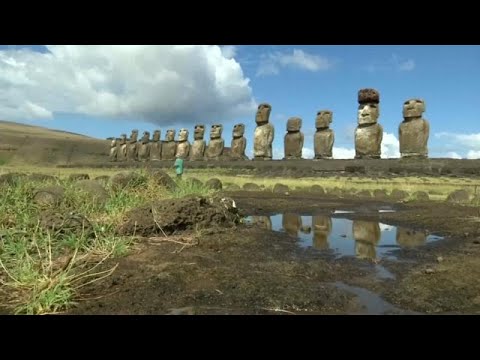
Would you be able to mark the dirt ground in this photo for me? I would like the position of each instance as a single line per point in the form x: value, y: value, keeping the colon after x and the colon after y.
x: 250, y: 270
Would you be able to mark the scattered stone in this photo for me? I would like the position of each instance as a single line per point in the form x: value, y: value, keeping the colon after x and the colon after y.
x: 421, y: 196
x: 214, y: 183
x: 439, y: 259
x: 317, y: 189
x: 94, y: 189
x: 74, y: 177
x: 458, y: 196
x: 429, y: 271
x: 126, y: 179
x: 251, y: 187
x: 398, y: 195
x: 280, y: 188
x: 49, y: 196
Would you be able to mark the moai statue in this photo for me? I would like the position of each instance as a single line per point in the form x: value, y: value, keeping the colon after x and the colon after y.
x: 367, y: 235
x: 216, y: 145
x: 322, y: 227
x: 197, y: 150
x: 122, y: 151
x: 369, y: 134
x: 132, y: 146
x: 169, y: 146
x: 293, y: 139
x: 156, y: 146
x: 144, y: 147
x: 414, y: 131
x: 264, y: 133
x: 291, y: 223
x: 324, y: 136
x: 183, y: 146
x: 410, y: 238
x: 239, y: 143
x: 113, y: 150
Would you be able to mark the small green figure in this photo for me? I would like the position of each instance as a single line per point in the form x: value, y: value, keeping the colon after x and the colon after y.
x: 178, y: 167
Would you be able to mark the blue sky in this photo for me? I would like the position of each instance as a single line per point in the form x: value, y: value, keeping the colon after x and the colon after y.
x: 103, y: 91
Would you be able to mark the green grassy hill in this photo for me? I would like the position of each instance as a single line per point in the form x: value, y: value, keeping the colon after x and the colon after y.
x: 28, y: 144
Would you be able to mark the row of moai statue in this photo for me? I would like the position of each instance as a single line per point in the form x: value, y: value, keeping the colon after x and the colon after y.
x: 413, y: 136
x: 131, y: 149
x: 413, y: 131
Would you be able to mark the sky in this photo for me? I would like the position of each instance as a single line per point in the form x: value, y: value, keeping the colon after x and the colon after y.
x: 106, y: 90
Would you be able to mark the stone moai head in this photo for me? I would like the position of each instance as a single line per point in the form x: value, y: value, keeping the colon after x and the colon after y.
x: 199, y: 132
x: 123, y: 139
x: 216, y: 131
x: 294, y: 124
x: 134, y: 136
x: 146, y: 137
x: 263, y: 113
x: 324, y: 119
x: 170, y: 135
x: 238, y: 130
x: 156, y: 135
x: 413, y: 108
x: 368, y: 108
x: 183, y: 135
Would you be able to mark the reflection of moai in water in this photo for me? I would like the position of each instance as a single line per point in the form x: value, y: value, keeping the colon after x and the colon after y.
x: 322, y: 227
x: 132, y: 146
x: 293, y: 139
x: 169, y: 146
x: 239, y: 143
x: 291, y: 223
x: 414, y: 131
x: 156, y: 146
x: 217, y: 144
x: 144, y: 147
x: 113, y: 150
x: 410, y: 238
x: 324, y: 136
x: 264, y: 133
x: 197, y: 151
x: 183, y: 146
x: 369, y: 134
x: 367, y: 235
x: 122, y: 148
x: 263, y: 222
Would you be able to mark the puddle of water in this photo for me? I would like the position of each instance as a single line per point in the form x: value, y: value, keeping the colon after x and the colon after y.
x: 363, y: 239
x: 371, y: 303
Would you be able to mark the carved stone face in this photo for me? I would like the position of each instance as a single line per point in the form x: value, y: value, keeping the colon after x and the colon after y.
x: 413, y: 108
x: 294, y: 124
x: 368, y: 113
x: 323, y: 119
x: 216, y: 131
x: 134, y: 136
x: 238, y: 130
x: 183, y: 135
x: 199, y: 132
x: 170, y: 136
x: 263, y: 113
x: 145, y: 137
x: 123, y: 139
x: 156, y: 135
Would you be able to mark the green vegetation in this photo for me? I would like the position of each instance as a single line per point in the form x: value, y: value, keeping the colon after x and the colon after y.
x: 43, y: 267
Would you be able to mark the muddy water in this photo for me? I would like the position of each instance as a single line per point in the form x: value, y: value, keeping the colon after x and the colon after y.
x: 344, y: 237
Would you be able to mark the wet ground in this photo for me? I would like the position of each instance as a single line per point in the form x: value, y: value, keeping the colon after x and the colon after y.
x: 306, y: 254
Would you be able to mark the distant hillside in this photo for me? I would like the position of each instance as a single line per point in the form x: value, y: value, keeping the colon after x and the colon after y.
x: 22, y: 143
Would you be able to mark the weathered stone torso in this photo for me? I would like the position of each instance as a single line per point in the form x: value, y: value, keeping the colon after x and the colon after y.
x: 323, y: 143
x: 238, y: 148
x: 413, y: 138
x: 322, y: 226
x: 143, y: 151
x: 198, y: 150
x: 132, y: 151
x: 183, y: 149
x: 263, y: 138
x: 368, y: 141
x: 156, y: 150
x: 122, y: 153
x: 113, y: 152
x: 215, y: 148
x: 168, y: 150
x: 293, y: 145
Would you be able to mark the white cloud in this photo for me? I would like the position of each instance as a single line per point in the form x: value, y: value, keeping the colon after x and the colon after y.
x: 393, y: 63
x: 161, y: 84
x: 390, y: 146
x: 453, y: 155
x: 473, y: 154
x: 308, y: 153
x: 343, y: 153
x: 270, y: 64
